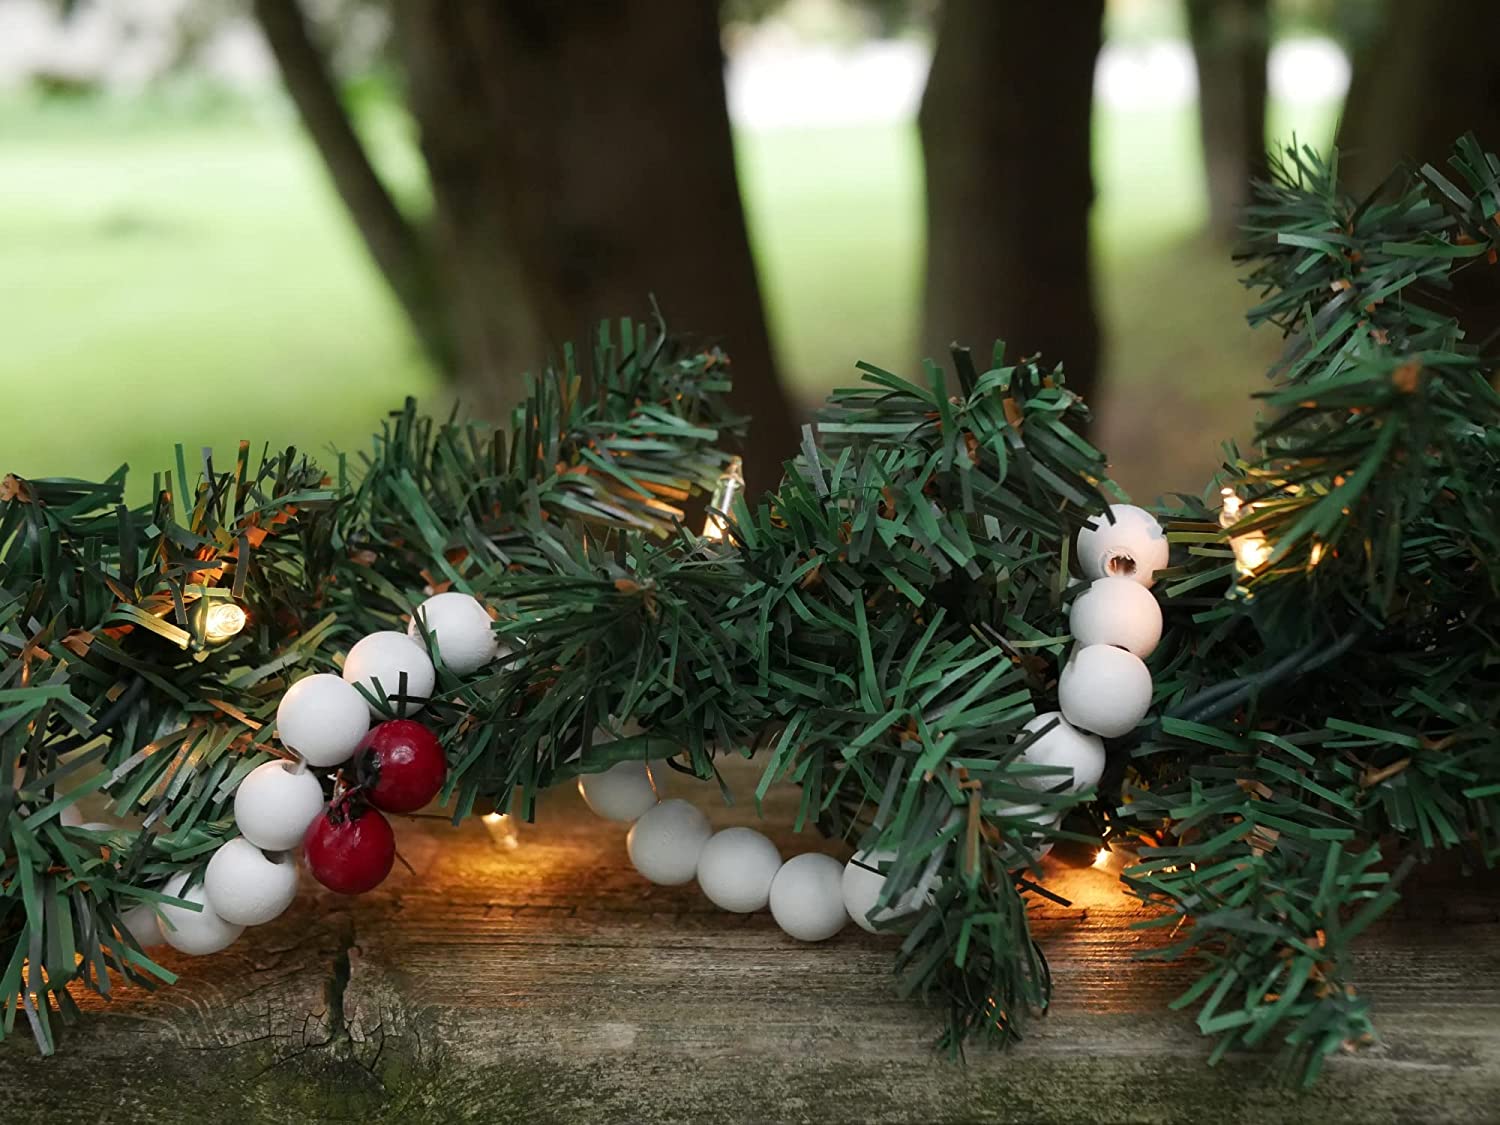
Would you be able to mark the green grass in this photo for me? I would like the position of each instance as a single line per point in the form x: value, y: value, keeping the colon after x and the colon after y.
x: 190, y: 276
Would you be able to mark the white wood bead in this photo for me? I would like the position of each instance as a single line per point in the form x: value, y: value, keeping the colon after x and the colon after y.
x: 664, y: 844
x: 461, y: 629
x: 323, y: 719
x: 1104, y: 689
x: 1119, y: 612
x: 382, y: 663
x: 1066, y: 748
x: 736, y: 868
x: 861, y: 884
x: 275, y: 803
x: 1132, y: 546
x: 195, y: 932
x: 807, y: 897
x: 246, y: 886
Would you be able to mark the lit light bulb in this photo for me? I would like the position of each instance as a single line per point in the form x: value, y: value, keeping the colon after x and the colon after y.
x: 1101, y: 859
x: 223, y: 620
x: 1252, y: 550
x: 502, y: 830
x: 731, y: 483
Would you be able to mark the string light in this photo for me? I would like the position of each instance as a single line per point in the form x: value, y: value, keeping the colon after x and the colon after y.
x: 1252, y: 550
x: 223, y: 620
x: 1101, y: 859
x: 730, y: 484
x: 502, y: 830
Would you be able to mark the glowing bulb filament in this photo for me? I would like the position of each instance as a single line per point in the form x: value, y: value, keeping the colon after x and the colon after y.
x: 729, y: 486
x: 1252, y: 550
x: 223, y: 620
x: 502, y: 830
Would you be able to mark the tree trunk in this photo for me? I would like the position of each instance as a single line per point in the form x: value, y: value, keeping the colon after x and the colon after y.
x: 593, y: 140
x: 393, y: 242
x: 1426, y: 77
x: 1231, y: 39
x: 1005, y: 136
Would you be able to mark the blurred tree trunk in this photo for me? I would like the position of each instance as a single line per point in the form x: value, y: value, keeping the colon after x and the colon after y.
x: 581, y: 162
x: 1428, y: 75
x: 392, y: 241
x: 1231, y: 40
x: 1005, y: 127
x: 601, y: 133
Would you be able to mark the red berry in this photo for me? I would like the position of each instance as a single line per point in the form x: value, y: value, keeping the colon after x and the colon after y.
x: 400, y: 766
x: 349, y: 848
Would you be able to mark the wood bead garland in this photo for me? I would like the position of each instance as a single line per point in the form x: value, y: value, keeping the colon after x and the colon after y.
x: 1076, y: 757
x: 323, y: 719
x: 274, y: 804
x: 736, y: 868
x: 1104, y: 689
x: 861, y: 885
x: 195, y: 932
x: 665, y: 842
x: 807, y: 897
x: 248, y: 887
x: 460, y: 628
x: 626, y: 791
x: 1119, y: 612
x: 393, y: 670
x: 1125, y: 542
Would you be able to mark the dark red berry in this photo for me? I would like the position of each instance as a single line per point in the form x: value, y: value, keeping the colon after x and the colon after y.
x: 349, y: 848
x: 400, y: 766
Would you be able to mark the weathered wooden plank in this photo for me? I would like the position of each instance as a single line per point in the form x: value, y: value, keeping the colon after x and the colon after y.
x: 550, y: 983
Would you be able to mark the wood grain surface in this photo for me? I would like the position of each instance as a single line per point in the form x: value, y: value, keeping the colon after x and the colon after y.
x: 552, y: 984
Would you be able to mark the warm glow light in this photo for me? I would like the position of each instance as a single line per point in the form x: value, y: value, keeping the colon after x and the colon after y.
x: 1251, y: 550
x: 1230, y: 511
x: 731, y: 483
x: 223, y: 620
x: 1315, y: 556
x: 1102, y: 858
x: 502, y: 830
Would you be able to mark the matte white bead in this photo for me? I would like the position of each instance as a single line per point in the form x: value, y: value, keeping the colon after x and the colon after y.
x: 461, y: 629
x: 861, y: 884
x: 623, y: 792
x: 387, y: 665
x: 323, y: 719
x: 1117, y: 611
x: 736, y: 868
x: 247, y: 887
x: 665, y: 842
x: 140, y: 922
x: 1023, y: 835
x: 1104, y: 689
x: 1065, y: 748
x: 1133, y: 546
x: 275, y: 803
x: 807, y: 897
x: 196, y: 932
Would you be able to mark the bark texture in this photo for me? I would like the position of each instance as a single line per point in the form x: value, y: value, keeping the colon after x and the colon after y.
x: 394, y: 243
x: 1425, y: 77
x: 1005, y: 127
x: 597, y: 136
x: 1231, y: 39
x: 581, y: 163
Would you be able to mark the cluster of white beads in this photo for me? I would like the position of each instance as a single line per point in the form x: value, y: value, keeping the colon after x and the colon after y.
x: 671, y: 842
x: 322, y: 719
x: 1105, y: 688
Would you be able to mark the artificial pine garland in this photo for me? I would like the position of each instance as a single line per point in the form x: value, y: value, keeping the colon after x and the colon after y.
x: 880, y: 631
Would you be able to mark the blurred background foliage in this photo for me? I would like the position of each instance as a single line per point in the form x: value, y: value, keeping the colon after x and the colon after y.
x: 192, y: 255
